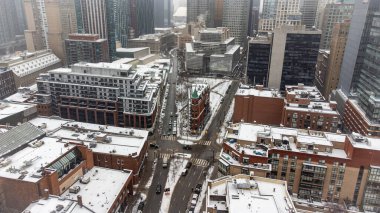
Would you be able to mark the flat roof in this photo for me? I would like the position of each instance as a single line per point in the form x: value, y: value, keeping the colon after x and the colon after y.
x: 50, y: 204
x: 258, y: 92
x: 131, y: 50
x: 23, y: 94
x: 49, y: 124
x: 102, y: 190
x: 30, y: 159
x: 321, y: 107
x: 260, y: 195
x: 10, y: 108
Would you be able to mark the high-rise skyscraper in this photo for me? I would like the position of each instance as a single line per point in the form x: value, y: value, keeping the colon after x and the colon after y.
x: 289, y: 54
x: 333, y: 13
x: 309, y: 12
x: 163, y: 12
x: 358, y: 37
x: 122, y: 21
x: 99, y: 17
x: 253, y: 20
x: 218, y: 13
x: 329, y: 62
x: 200, y: 9
x: 235, y: 18
x: 49, y: 24
x: 145, y: 17
x: 279, y: 12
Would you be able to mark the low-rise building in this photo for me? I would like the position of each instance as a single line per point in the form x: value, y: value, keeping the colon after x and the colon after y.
x: 26, y: 67
x: 67, y: 158
x: 158, y: 43
x: 318, y: 166
x: 199, y: 102
x: 300, y: 107
x: 135, y: 56
x: 104, y: 93
x: 12, y: 113
x: 246, y: 193
x: 214, y: 52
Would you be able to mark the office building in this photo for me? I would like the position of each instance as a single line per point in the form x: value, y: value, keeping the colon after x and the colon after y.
x: 199, y: 102
x: 333, y: 13
x: 163, y: 12
x: 141, y: 22
x: 103, y: 93
x: 122, y: 18
x: 158, y: 42
x: 319, y: 167
x: 232, y: 194
x: 358, y: 37
x: 100, y: 17
x: 309, y: 8
x: 7, y: 83
x: 199, y: 9
x: 218, y: 12
x: 26, y: 67
x: 258, y: 63
x: 49, y: 24
x: 279, y: 12
x: 302, y: 107
x: 235, y: 18
x: 214, y: 52
x: 86, y: 48
x: 293, y: 54
x: 330, y: 61
x: 253, y: 20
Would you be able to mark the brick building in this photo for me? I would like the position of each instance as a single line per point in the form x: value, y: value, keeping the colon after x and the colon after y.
x: 355, y: 120
x: 108, y: 160
x: 199, y: 102
x: 318, y: 166
x: 87, y: 48
x: 300, y: 107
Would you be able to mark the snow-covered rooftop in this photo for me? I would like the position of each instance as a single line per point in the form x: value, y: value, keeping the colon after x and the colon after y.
x: 32, y: 63
x: 245, y: 91
x: 102, y: 190
x: 243, y: 194
x: 8, y: 109
x: 320, y: 107
x: 30, y: 159
x: 50, y: 205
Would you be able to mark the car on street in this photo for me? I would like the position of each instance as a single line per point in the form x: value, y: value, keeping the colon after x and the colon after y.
x: 187, y: 147
x: 141, y: 206
x: 158, y: 189
x: 154, y: 145
x: 184, y: 172
x: 188, y: 165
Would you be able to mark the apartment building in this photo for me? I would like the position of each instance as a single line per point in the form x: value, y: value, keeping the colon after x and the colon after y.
x: 318, y: 166
x: 199, y: 102
x: 27, y: 66
x: 300, y: 107
x: 86, y: 48
x: 103, y: 93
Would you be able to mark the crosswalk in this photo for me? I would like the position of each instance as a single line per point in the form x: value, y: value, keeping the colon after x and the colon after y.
x: 206, y: 143
x: 195, y: 161
x: 169, y: 138
x: 199, y: 162
x: 165, y: 155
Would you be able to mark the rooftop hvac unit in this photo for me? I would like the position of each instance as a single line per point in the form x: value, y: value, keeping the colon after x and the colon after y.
x: 85, y: 180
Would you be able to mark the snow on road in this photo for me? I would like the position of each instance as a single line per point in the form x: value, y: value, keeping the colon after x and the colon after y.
x: 202, y: 195
x: 227, y: 119
x: 175, y: 170
x: 142, y: 198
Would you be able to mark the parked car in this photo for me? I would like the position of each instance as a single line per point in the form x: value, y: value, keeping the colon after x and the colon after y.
x: 141, y: 206
x: 158, y: 189
x: 198, y: 188
x: 184, y: 172
x: 187, y: 147
x: 188, y: 165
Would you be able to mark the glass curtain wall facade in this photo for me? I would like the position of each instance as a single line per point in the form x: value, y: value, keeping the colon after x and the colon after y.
x: 259, y: 55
